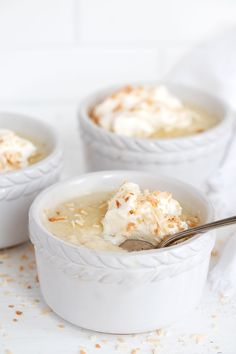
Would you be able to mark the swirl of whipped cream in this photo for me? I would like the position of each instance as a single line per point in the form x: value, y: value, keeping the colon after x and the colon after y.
x: 14, y: 151
x: 142, y: 111
x: 141, y: 215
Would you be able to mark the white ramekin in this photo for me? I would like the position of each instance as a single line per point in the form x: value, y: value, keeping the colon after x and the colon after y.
x: 192, y: 159
x: 120, y: 292
x: 18, y: 188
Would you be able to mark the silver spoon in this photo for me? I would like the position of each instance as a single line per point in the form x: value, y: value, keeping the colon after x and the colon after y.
x: 140, y: 245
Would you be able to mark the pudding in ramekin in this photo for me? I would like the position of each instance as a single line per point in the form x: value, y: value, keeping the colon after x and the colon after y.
x: 30, y: 160
x: 17, y: 152
x: 119, y: 292
x: 150, y: 112
x: 170, y: 129
x: 105, y: 220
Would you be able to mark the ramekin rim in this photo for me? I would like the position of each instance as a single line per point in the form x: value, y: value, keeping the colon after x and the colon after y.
x: 57, y: 146
x: 34, y: 215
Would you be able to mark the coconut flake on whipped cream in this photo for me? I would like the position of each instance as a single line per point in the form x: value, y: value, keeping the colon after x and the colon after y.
x: 141, y: 215
x: 14, y: 151
x: 149, y: 112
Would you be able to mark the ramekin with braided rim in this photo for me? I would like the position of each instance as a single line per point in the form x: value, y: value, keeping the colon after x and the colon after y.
x: 19, y: 188
x: 193, y: 158
x: 120, y: 292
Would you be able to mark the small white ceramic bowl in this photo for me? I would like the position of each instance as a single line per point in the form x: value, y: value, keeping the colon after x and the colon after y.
x: 18, y: 188
x: 120, y: 292
x: 192, y: 159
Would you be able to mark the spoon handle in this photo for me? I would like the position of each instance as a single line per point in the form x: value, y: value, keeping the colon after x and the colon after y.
x: 198, y: 229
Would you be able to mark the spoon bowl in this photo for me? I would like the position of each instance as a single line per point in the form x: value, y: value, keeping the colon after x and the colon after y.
x: 132, y: 245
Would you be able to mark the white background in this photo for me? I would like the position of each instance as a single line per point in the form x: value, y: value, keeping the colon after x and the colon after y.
x: 52, y: 53
x: 58, y: 50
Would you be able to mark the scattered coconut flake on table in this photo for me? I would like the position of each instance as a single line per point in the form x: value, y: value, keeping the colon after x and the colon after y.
x: 23, y: 309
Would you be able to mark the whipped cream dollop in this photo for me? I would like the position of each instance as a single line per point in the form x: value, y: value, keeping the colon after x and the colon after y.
x: 141, y: 111
x: 14, y: 151
x: 141, y: 215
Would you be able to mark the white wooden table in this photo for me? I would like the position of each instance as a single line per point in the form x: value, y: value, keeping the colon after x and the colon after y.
x: 27, y: 326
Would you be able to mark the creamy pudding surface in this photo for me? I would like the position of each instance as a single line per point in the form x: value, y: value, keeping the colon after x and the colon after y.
x: 104, y: 220
x: 17, y: 152
x: 150, y: 112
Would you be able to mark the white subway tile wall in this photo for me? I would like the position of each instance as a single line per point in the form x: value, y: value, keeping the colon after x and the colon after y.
x: 151, y: 21
x: 69, y: 73
x: 61, y: 49
x: 32, y: 24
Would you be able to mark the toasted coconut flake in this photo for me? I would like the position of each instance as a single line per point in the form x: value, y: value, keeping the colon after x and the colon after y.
x: 118, y: 108
x: 149, y: 101
x: 157, y: 231
x: 83, y: 212
x: 118, y: 204
x: 133, y: 109
x: 135, y: 351
x: 3, y: 256
x: 215, y: 253
x: 45, y: 311
x: 160, y: 332
x: 7, y: 351
x: 126, y: 89
x: 19, y: 313
x: 61, y: 326
x: 93, y: 116
x: 24, y: 257
x: 198, y: 337
x: 131, y: 226
x: 57, y: 218
x: 153, y: 201
x: 79, y: 222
